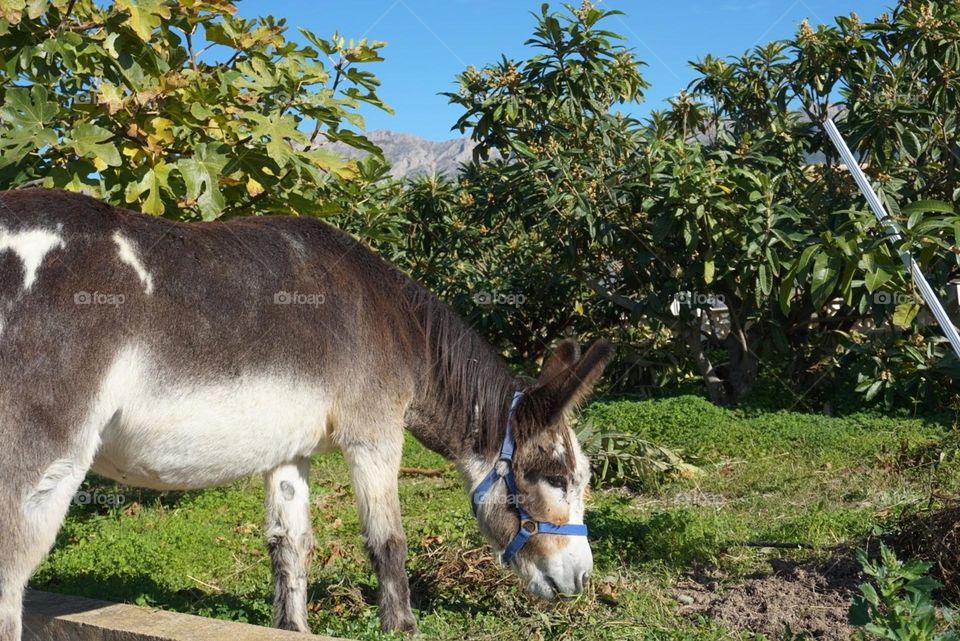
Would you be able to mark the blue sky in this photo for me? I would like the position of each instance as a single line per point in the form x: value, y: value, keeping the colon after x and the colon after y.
x: 430, y: 41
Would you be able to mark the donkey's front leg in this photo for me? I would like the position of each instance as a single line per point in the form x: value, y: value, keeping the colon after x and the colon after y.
x: 290, y: 541
x: 374, y: 469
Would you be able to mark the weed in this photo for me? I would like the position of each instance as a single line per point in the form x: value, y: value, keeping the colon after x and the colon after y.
x: 898, y: 603
x: 623, y: 458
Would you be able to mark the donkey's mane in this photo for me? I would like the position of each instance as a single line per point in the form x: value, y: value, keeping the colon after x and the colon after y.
x: 469, y: 384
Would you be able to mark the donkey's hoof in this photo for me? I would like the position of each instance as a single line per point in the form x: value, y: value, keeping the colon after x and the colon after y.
x: 402, y: 623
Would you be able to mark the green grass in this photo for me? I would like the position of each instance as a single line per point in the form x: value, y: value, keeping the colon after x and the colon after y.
x: 781, y: 476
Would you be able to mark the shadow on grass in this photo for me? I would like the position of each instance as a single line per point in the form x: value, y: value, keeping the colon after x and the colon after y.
x: 142, y: 590
x: 343, y: 600
x: 98, y: 496
x: 675, y: 538
x: 428, y: 594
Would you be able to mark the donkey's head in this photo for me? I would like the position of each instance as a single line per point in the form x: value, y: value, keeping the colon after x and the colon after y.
x: 531, y: 506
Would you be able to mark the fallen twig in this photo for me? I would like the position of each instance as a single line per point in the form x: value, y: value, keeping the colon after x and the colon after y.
x: 205, y: 584
x: 779, y: 545
x: 419, y: 471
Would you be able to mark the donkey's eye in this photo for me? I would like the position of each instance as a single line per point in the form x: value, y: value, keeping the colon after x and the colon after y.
x: 556, y: 481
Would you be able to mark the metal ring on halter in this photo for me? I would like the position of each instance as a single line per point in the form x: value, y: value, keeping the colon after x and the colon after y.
x: 528, y: 527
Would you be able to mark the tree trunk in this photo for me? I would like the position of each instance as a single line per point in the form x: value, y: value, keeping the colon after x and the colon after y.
x: 716, y: 390
x: 726, y: 383
x: 743, y: 366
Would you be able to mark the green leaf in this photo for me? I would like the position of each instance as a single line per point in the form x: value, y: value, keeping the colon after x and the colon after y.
x: 89, y: 140
x: 523, y: 149
x: 859, y: 614
x: 709, y: 270
x: 912, y: 145
x: 145, y: 15
x: 786, y: 292
x: 766, y: 279
x: 805, y: 257
x: 153, y: 183
x: 26, y: 114
x: 329, y: 160
x: 869, y: 594
x: 872, y: 392
x: 925, y: 206
x: 875, y: 279
x: 280, y: 131
x: 28, y: 108
x: 824, y: 279
x: 200, y: 111
x: 36, y: 8
x: 201, y: 174
x: 904, y: 315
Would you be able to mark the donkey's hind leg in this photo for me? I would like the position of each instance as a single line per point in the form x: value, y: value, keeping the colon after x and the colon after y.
x: 290, y: 541
x: 31, y: 513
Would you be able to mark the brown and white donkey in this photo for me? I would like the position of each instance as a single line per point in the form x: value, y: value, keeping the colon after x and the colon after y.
x: 178, y: 356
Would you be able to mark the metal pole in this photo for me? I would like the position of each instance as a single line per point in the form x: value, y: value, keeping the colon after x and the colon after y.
x: 894, y: 236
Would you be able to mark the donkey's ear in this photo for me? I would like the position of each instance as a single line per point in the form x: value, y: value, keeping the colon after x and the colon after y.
x: 560, y: 364
x: 579, y: 384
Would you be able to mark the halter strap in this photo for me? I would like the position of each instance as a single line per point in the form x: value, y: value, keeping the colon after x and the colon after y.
x: 528, y: 527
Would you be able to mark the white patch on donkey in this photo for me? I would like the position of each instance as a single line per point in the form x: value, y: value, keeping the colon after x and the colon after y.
x: 42, y: 506
x: 207, y: 433
x: 30, y: 247
x: 127, y: 254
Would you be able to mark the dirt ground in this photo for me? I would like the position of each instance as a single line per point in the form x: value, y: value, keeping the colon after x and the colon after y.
x: 810, y: 598
x: 813, y: 598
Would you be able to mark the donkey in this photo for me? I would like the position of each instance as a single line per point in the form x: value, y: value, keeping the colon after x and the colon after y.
x: 178, y: 356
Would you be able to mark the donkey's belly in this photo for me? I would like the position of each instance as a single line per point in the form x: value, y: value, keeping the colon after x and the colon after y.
x: 209, y: 434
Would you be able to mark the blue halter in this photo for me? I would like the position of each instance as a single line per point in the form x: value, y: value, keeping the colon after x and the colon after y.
x: 528, y: 527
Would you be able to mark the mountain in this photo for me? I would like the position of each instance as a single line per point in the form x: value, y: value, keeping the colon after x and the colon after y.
x: 411, y: 155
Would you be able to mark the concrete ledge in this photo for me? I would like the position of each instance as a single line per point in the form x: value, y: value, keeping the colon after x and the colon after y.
x: 58, y: 617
